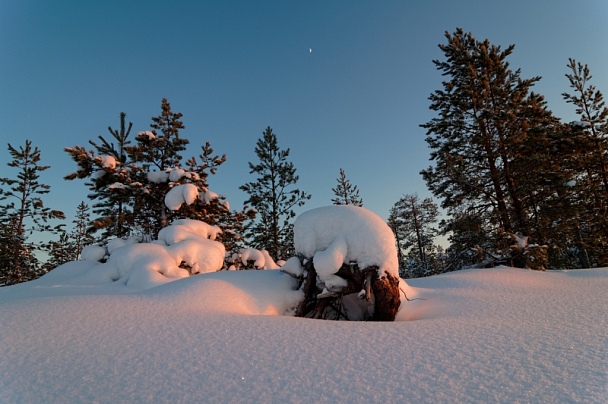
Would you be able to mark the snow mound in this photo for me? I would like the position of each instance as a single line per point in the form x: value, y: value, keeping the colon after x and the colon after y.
x: 184, y: 248
x: 261, y: 259
x: 233, y: 292
x: 339, y: 234
x: 93, y: 253
x: 184, y: 229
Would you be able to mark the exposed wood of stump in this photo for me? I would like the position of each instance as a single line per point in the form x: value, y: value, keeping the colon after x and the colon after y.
x: 383, y: 293
x: 387, y: 298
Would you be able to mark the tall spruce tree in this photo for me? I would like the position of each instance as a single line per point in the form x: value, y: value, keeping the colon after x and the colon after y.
x: 345, y: 192
x: 23, y: 214
x: 487, y: 117
x: 273, y: 197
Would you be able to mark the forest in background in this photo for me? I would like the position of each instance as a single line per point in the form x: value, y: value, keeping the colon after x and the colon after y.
x: 518, y: 186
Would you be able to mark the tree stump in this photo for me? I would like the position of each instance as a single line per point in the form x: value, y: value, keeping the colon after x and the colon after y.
x: 380, y: 295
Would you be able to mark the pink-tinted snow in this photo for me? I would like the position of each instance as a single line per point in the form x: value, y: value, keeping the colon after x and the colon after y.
x: 484, y: 335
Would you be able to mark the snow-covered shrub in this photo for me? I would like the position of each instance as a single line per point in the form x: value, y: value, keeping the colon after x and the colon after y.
x: 93, y: 253
x: 184, y: 248
x: 251, y: 258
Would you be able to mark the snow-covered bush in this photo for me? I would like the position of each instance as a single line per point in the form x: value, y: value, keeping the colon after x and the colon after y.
x: 184, y: 248
x: 251, y: 258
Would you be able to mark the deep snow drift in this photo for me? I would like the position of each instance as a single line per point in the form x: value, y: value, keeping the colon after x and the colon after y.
x: 486, y: 335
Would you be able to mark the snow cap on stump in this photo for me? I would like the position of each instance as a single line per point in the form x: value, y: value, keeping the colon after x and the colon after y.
x: 340, y: 234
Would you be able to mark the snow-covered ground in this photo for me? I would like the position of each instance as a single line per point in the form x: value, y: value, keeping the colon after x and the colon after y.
x: 484, y: 335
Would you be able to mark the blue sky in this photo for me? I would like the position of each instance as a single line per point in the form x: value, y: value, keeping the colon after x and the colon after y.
x: 68, y: 68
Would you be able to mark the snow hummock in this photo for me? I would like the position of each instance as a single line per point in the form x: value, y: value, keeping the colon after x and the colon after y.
x: 501, y: 335
x: 340, y: 234
x: 93, y: 253
x: 146, y: 265
x: 261, y: 259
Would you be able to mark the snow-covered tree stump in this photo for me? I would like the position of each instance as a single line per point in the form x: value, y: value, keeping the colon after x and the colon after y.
x: 346, y: 264
x: 375, y: 298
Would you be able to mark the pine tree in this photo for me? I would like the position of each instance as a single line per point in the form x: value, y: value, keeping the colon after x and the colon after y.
x: 70, y: 244
x: 589, y: 183
x: 487, y: 118
x: 116, y: 216
x: 157, y: 151
x: 345, y: 192
x: 133, y: 181
x: 412, y: 221
x: 108, y: 171
x: 273, y: 197
x: 210, y: 207
x: 80, y: 235
x: 22, y: 215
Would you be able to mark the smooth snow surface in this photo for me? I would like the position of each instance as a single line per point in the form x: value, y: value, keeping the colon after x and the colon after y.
x: 486, y: 335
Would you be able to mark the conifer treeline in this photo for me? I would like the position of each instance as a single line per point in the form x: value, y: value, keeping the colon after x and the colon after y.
x: 518, y: 186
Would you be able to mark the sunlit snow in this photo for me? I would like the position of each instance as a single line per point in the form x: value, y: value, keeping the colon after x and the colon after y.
x: 140, y: 329
x: 484, y: 335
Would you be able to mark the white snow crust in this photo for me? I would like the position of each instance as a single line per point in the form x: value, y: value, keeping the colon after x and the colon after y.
x: 139, y: 329
x: 157, y: 177
x: 500, y: 335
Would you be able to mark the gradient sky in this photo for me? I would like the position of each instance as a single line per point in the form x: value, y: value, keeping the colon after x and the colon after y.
x: 68, y: 68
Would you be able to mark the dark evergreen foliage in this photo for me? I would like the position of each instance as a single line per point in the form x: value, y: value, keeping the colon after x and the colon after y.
x: 488, y: 131
x: 273, y: 197
x: 158, y: 150
x: 108, y: 171
x: 22, y: 214
x: 345, y: 192
x: 131, y: 185
x: 413, y: 221
x: 588, y: 166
